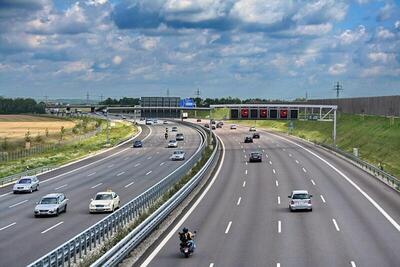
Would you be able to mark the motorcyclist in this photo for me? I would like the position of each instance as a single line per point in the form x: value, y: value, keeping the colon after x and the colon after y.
x: 166, y: 136
x: 186, y: 237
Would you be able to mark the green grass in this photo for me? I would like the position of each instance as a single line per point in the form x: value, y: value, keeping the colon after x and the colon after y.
x: 68, y: 153
x: 218, y: 114
x: 374, y: 136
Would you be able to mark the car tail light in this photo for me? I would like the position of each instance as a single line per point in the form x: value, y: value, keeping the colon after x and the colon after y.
x: 292, y: 202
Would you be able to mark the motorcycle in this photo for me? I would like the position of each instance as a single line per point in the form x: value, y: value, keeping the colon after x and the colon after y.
x: 188, y: 248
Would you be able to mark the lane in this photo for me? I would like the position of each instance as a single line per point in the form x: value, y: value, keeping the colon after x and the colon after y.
x: 48, y: 233
x: 343, y: 230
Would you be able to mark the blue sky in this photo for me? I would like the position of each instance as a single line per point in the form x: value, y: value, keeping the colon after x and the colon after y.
x: 241, y: 48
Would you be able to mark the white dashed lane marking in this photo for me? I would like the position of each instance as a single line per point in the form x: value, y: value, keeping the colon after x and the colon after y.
x: 336, y: 225
x: 19, y: 203
x: 119, y: 174
x: 149, y: 172
x: 228, y: 227
x: 323, y: 199
x: 238, y: 201
x: 244, y: 183
x: 7, y: 226
x: 162, y: 163
x: 276, y: 183
x: 96, y: 185
x: 312, y: 181
x: 93, y: 173
x: 62, y: 186
x: 279, y: 200
x: 279, y: 226
x: 128, y: 185
x: 54, y: 226
x: 137, y: 164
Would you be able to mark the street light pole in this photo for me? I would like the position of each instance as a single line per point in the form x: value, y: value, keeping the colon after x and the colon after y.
x: 334, y: 128
x: 108, y: 129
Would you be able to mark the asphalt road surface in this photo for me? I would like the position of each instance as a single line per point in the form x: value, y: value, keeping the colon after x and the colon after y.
x: 127, y: 171
x: 244, y: 219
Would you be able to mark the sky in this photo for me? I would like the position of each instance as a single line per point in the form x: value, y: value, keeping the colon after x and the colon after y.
x: 241, y: 48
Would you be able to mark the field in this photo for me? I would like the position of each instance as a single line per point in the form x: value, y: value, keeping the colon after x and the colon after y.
x: 14, y: 127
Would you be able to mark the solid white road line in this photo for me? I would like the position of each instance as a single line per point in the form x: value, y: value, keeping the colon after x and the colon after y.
x: 60, y: 186
x: 54, y: 226
x: 304, y: 170
x: 245, y: 171
x: 323, y: 199
x: 3, y: 195
x: 137, y: 164
x: 128, y: 185
x: 19, y: 203
x: 228, y: 227
x: 244, y: 183
x: 119, y: 174
x: 353, y: 264
x: 149, y: 172
x: 273, y: 170
x: 279, y: 227
x: 5, y: 227
x: 336, y: 225
x: 370, y: 199
x: 162, y: 163
x: 312, y: 181
x: 96, y: 185
x: 279, y: 200
x: 184, y: 218
x: 238, y: 201
x: 93, y: 173
x: 297, y: 161
x: 276, y: 183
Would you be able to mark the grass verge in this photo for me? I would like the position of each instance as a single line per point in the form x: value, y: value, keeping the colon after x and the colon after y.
x: 376, y: 137
x: 69, y: 152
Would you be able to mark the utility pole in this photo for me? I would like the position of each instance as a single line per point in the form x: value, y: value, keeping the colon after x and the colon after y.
x: 46, y: 99
x: 338, y: 87
x: 197, y: 94
x: 101, y: 98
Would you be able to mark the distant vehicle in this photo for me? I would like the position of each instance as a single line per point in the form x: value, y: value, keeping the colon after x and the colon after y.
x: 207, y: 125
x: 137, y: 143
x: 255, y: 157
x: 179, y: 137
x: 300, y: 200
x: 256, y: 136
x: 155, y: 121
x: 172, y: 143
x: 26, y: 184
x: 165, y: 122
x: 213, y: 127
x: 178, y: 155
x: 51, y: 204
x: 233, y: 127
x: 149, y: 122
x: 252, y: 129
x: 198, y: 120
x: 248, y: 139
x: 123, y: 117
x: 174, y: 129
x: 213, y: 122
x: 220, y: 124
x: 104, y: 202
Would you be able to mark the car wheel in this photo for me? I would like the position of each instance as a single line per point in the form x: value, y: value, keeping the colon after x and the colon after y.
x: 37, y: 188
x: 31, y: 190
x: 65, y: 208
x: 15, y: 192
x: 57, y: 212
x: 112, y: 209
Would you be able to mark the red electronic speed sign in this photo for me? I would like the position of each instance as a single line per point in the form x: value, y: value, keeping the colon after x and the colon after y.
x: 244, y: 112
x: 263, y: 113
x: 283, y: 113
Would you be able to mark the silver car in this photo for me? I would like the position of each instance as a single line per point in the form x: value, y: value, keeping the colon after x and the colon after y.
x: 172, y: 143
x: 26, y: 184
x: 179, y: 137
x: 51, y: 204
x: 300, y: 200
x: 178, y: 155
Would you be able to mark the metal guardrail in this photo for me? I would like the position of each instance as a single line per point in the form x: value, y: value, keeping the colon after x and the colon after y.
x: 78, y: 247
x: 117, y: 254
x: 384, y: 176
x: 14, y: 177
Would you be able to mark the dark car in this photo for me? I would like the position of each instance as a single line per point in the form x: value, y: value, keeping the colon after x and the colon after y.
x: 255, y: 157
x: 206, y: 125
x: 198, y: 120
x: 256, y: 135
x: 137, y: 143
x: 248, y: 139
x: 220, y: 124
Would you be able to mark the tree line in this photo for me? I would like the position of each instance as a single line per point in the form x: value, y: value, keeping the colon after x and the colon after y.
x: 20, y: 105
x: 126, y: 101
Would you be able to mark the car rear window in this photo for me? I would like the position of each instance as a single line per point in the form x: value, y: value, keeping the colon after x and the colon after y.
x: 103, y: 197
x: 49, y: 200
x: 24, y: 181
x: 300, y: 196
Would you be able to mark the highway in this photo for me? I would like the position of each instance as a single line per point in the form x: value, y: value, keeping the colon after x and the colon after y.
x: 127, y: 171
x: 242, y: 218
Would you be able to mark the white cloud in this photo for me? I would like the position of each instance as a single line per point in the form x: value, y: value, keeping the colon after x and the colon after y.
x: 321, y: 10
x: 380, y: 71
x: 96, y: 2
x: 193, y: 10
x: 117, y: 60
x: 337, y: 69
x: 385, y: 12
x: 384, y: 33
x: 381, y: 57
x: 76, y: 66
x: 318, y: 29
x: 397, y: 24
x: 148, y: 43
x: 349, y: 36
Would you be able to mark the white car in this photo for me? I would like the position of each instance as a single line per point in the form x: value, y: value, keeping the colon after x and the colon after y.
x: 104, y: 202
x: 252, y: 129
x: 233, y: 127
x: 172, y: 143
x: 174, y: 129
x: 26, y: 184
x: 178, y: 155
x: 300, y: 200
x: 51, y: 204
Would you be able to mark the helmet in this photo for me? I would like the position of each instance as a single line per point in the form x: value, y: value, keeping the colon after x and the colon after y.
x: 185, y: 230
